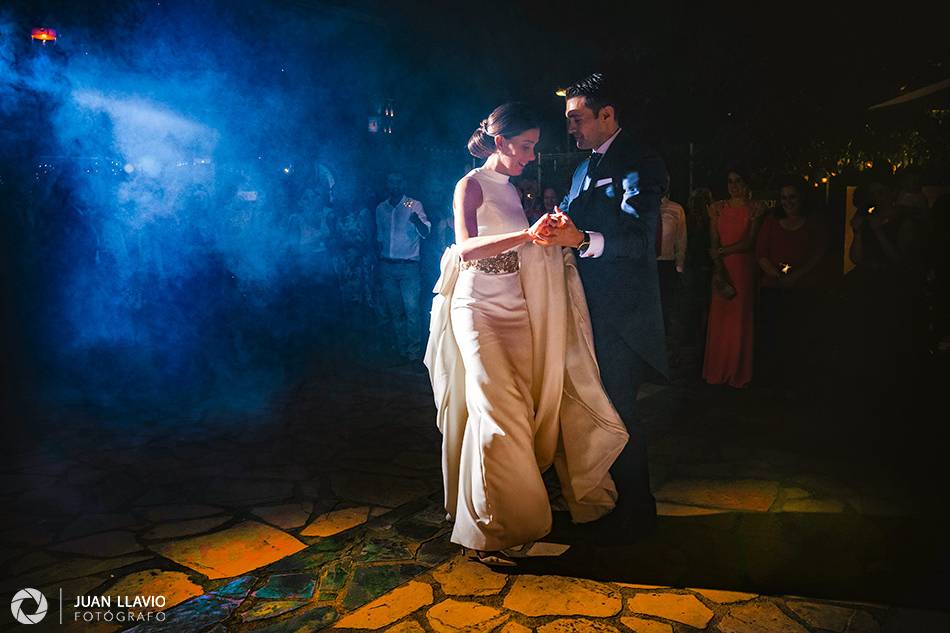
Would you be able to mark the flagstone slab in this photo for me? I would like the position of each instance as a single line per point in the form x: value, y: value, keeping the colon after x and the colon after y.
x: 237, y: 588
x: 462, y: 577
x: 576, y: 625
x: 69, y: 569
x: 863, y: 622
x: 725, y: 597
x: 33, y: 536
x: 316, y: 555
x: 683, y: 608
x: 190, y: 617
x: 33, y: 560
x: 437, y: 550
x: 231, y: 492
x: 758, y: 617
x: 73, y: 588
x: 386, y: 609
x: 175, y: 586
x: 368, y: 583
x: 556, y: 595
x: 635, y: 586
x: 382, y: 546
x: 287, y: 587
x: 514, y: 627
x: 677, y: 510
x: 102, y: 545
x: 178, y: 512
x: 332, y: 580
x: 412, y: 528
x: 433, y: 514
x: 452, y: 616
x: 827, y: 506
x: 92, y: 523
x: 306, y: 619
x: 409, y: 626
x: 185, y: 528
x: 795, y: 493
x: 271, y: 609
x: 157, y: 495
x: 337, y: 521
x: 640, y: 625
x: 287, y: 516
x: 233, y: 551
x: 380, y: 490
x: 822, y: 616
x: 750, y: 495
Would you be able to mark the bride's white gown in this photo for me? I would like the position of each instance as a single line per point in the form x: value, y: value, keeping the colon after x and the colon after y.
x: 516, y: 386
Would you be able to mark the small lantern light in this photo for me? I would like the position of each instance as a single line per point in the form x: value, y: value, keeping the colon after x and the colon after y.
x: 43, y: 35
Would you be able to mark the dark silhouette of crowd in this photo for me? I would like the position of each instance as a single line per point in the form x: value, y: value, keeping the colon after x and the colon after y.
x: 770, y: 296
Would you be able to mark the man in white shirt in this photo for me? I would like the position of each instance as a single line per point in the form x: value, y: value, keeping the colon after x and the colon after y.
x: 401, y: 224
x: 670, y: 261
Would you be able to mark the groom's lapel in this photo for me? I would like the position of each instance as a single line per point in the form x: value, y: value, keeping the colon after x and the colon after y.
x: 577, y: 188
x: 587, y: 195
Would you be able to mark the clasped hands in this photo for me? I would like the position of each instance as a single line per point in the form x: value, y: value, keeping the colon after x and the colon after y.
x: 555, y: 229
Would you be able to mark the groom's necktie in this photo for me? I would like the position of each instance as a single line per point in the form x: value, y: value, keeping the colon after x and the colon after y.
x: 592, y: 163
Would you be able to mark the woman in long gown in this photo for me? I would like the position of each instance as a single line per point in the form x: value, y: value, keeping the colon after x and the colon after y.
x: 510, y: 356
x: 733, y: 226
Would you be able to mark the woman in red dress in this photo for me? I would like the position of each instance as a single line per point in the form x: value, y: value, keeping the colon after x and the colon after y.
x: 789, y: 248
x: 733, y: 226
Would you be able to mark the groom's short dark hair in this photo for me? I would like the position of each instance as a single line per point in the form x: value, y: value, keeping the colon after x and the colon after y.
x: 598, y: 91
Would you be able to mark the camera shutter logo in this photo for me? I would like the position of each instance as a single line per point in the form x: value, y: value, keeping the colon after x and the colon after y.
x: 16, y: 606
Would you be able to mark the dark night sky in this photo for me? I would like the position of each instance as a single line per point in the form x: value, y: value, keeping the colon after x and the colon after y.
x: 845, y: 51
x: 698, y: 62
x: 705, y: 72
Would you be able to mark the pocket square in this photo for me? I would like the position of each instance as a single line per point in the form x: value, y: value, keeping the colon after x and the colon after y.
x: 603, y: 181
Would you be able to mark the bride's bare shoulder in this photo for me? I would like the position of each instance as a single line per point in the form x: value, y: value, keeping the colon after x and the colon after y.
x: 468, y: 191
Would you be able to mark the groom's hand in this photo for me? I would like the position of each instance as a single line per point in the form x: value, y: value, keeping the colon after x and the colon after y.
x: 559, y: 231
x: 540, y: 226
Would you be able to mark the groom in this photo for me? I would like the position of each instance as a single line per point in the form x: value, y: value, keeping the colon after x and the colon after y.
x: 611, y: 219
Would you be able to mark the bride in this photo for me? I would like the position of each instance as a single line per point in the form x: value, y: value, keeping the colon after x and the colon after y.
x: 510, y: 357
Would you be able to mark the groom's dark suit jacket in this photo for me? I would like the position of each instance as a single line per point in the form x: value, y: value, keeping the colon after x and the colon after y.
x: 623, y: 203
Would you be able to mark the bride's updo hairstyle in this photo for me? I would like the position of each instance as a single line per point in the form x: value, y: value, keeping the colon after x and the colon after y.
x: 508, y: 119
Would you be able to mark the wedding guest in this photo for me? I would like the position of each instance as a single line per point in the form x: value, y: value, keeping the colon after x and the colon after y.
x: 789, y: 248
x: 550, y: 199
x: 401, y: 225
x: 671, y: 262
x: 734, y: 224
x: 886, y: 286
x: 698, y: 271
x: 530, y: 200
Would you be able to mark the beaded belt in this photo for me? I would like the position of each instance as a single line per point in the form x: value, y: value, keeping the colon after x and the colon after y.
x: 506, y: 262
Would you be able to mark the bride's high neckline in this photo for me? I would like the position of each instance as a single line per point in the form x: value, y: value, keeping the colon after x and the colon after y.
x: 493, y: 175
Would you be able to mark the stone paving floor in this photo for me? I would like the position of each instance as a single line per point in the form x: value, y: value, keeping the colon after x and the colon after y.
x: 324, y: 512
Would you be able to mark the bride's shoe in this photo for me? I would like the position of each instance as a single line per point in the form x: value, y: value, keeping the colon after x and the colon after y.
x: 495, y: 559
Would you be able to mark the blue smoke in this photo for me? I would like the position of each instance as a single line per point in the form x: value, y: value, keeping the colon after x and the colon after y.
x: 157, y: 248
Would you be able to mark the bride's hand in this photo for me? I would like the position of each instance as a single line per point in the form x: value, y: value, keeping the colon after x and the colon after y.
x: 542, y: 226
x: 560, y: 231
